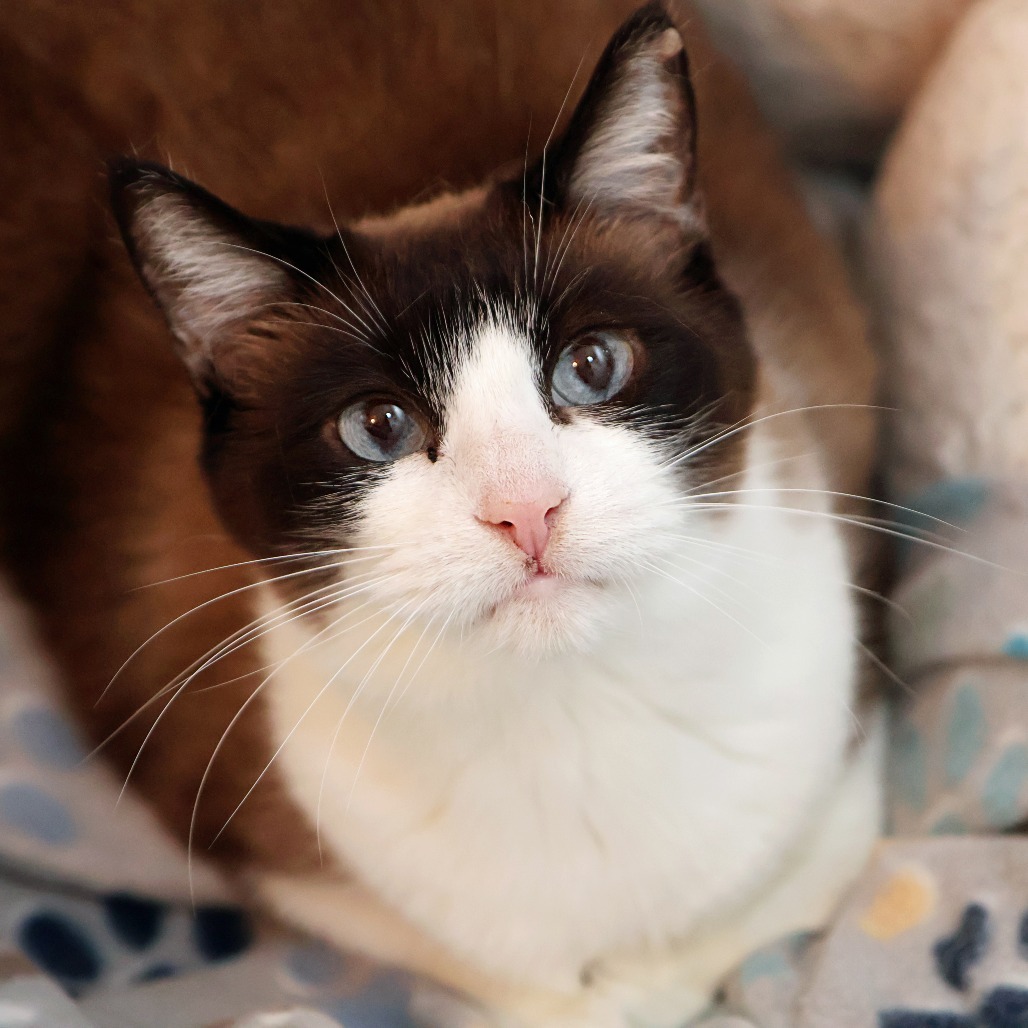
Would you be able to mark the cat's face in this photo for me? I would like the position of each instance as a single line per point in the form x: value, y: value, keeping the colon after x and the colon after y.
x: 498, y: 402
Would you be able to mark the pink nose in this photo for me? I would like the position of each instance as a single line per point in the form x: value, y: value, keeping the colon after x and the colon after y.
x: 527, y: 522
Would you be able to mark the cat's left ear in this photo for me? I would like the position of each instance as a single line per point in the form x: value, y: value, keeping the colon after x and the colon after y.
x: 630, y: 146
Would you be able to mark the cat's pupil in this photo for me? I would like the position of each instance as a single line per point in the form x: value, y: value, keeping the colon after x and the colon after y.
x: 594, y: 364
x: 385, y: 423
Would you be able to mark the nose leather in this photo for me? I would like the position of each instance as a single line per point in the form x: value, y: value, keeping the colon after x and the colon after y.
x: 527, y: 521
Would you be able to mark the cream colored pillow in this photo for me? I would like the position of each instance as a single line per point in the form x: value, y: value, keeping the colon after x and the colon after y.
x: 947, y: 252
x: 833, y: 75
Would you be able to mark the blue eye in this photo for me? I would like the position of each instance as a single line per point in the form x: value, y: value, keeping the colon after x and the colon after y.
x: 592, y: 369
x: 379, y: 430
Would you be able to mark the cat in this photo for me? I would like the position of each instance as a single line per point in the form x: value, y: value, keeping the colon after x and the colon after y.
x: 530, y: 658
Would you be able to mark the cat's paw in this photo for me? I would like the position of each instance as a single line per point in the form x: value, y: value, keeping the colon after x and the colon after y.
x: 658, y: 991
x: 652, y: 993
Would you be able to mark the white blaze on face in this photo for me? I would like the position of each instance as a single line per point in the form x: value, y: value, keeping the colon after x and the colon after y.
x: 500, y: 451
x: 498, y: 433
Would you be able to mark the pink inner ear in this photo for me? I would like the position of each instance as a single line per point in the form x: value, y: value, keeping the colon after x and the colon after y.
x: 527, y: 520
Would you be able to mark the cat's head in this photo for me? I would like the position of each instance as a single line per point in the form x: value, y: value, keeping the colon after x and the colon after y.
x: 505, y: 395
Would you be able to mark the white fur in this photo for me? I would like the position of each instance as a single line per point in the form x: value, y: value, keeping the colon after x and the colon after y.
x: 599, y: 768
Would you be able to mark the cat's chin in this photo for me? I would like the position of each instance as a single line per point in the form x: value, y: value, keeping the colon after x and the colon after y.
x: 548, y: 616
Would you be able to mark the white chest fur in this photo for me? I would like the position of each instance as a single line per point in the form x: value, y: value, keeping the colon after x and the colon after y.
x: 533, y: 816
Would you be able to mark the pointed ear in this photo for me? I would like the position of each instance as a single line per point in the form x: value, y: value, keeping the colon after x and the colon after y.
x: 211, y: 269
x: 630, y: 147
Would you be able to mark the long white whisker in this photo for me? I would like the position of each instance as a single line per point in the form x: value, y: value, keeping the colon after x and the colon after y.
x: 856, y: 521
x: 624, y: 580
x: 292, y: 267
x: 278, y: 558
x: 542, y: 176
x: 729, y: 549
x: 424, y: 659
x: 290, y: 614
x: 355, y: 331
x: 749, y: 469
x: 235, y: 719
x: 835, y: 494
x: 885, y: 669
x: 713, y: 568
x: 342, y: 242
x: 202, y: 606
x: 704, y: 597
x: 385, y: 704
x: 321, y: 692
x: 524, y: 202
x: 339, y: 724
x: 564, y: 246
x: 184, y: 678
x: 566, y: 291
x: 739, y: 553
x: 747, y: 425
x: 311, y: 603
x: 193, y: 610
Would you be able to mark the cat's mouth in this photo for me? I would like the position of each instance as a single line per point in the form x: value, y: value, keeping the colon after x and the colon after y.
x: 546, y: 611
x: 539, y: 585
x: 539, y: 582
x: 542, y: 584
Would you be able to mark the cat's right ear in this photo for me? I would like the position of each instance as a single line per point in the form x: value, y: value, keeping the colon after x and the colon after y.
x: 211, y: 269
x: 630, y: 146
